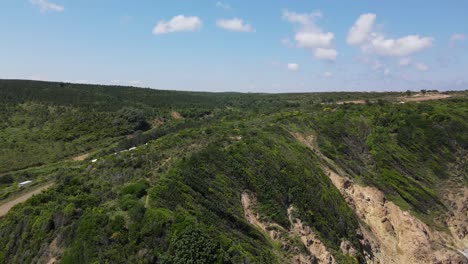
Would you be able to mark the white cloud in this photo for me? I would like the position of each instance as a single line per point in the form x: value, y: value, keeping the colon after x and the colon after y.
x: 45, y: 6
x: 361, y: 29
x: 313, y: 39
x: 309, y: 35
x: 397, y: 47
x: 223, y: 5
x: 115, y: 81
x: 177, y: 24
x: 376, y: 43
x: 458, y: 37
x: 235, y: 24
x: 325, y: 54
x: 404, y: 61
x: 386, y: 72
x: 293, y: 66
x: 421, y: 66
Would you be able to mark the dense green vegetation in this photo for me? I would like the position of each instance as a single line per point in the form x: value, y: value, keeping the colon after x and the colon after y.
x: 176, y: 197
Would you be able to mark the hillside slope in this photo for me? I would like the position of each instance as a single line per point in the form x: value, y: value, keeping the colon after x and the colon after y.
x: 231, y: 178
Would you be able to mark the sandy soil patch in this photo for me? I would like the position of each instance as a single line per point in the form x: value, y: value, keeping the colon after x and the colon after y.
x: 176, y: 115
x: 5, y: 208
x: 81, y: 157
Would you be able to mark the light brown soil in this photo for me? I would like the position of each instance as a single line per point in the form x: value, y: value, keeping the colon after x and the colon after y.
x: 316, y: 252
x: 455, y: 197
x: 53, y: 252
x: 5, y: 208
x: 399, y: 236
x: 81, y: 157
x: 277, y: 233
x: 426, y: 97
x: 310, y: 241
x: 157, y: 122
x: 176, y: 115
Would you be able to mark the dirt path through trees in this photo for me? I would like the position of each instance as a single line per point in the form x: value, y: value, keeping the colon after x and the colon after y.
x: 5, y: 208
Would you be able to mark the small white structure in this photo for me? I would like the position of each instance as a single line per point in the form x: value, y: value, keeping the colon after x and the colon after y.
x: 22, y: 184
x: 94, y: 160
x: 130, y: 149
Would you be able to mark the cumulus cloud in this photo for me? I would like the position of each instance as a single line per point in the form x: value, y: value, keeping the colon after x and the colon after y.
x: 309, y: 35
x: 310, y: 39
x: 325, y: 54
x: 397, y: 47
x: 360, y: 31
x: 235, y: 24
x: 178, y: 24
x: 361, y: 34
x: 223, y: 5
x: 293, y: 66
x: 45, y: 6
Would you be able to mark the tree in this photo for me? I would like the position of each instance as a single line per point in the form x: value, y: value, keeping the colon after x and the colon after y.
x: 408, y: 93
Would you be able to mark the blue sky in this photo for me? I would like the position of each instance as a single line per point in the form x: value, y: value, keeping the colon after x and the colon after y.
x: 247, y: 46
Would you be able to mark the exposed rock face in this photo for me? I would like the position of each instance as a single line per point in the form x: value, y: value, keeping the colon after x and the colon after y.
x: 316, y: 250
x: 347, y: 248
x: 455, y: 198
x: 310, y: 240
x: 398, y: 236
x: 391, y: 234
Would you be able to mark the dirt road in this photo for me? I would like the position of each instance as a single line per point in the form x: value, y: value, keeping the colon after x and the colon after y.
x: 4, y: 208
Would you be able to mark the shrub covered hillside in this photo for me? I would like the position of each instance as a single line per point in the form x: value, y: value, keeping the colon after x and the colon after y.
x: 170, y: 169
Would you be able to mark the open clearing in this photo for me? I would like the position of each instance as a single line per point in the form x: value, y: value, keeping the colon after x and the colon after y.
x: 414, y: 98
x: 4, y: 208
x: 426, y: 97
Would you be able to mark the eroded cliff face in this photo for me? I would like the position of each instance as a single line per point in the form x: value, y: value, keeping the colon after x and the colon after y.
x: 315, y: 251
x: 455, y: 198
x: 394, y: 235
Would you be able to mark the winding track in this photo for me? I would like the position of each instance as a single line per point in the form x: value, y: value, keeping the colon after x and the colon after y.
x: 5, y: 208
